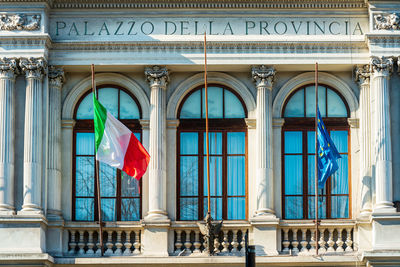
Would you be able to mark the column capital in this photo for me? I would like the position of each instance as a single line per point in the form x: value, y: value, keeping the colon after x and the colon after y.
x: 382, y: 65
x: 56, y: 76
x: 8, y: 68
x: 263, y: 76
x: 34, y: 68
x: 157, y: 76
x: 362, y: 74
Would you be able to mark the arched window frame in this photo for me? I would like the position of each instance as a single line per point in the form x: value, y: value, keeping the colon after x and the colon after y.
x: 223, y: 125
x: 305, y: 124
x: 86, y: 126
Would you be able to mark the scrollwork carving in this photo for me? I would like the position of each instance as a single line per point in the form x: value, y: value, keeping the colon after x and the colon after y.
x: 263, y: 76
x: 383, y: 65
x: 157, y: 76
x: 19, y: 22
x: 8, y: 68
x: 362, y: 74
x: 388, y: 22
x: 33, y: 67
x: 56, y: 76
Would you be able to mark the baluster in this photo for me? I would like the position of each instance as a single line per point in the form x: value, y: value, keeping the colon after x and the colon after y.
x: 225, y: 242
x: 109, y: 243
x: 197, y: 243
x: 216, y: 245
x: 303, y: 241
x: 187, y: 243
x: 235, y: 241
x: 349, y: 242
x: 295, y: 242
x: 330, y: 242
x: 98, y: 250
x: 178, y: 243
x: 243, y: 243
x: 81, y: 243
x: 321, y: 241
x: 313, y: 244
x: 127, y: 243
x: 90, y: 243
x: 339, y: 241
x: 118, y: 244
x: 72, y: 244
x: 136, y: 245
x: 285, y: 241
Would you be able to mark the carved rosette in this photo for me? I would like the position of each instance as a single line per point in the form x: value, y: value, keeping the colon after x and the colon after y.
x: 56, y: 76
x: 263, y: 76
x: 387, y: 22
x: 382, y: 65
x: 34, y: 68
x: 8, y: 68
x: 157, y: 76
x: 362, y: 74
x: 20, y: 22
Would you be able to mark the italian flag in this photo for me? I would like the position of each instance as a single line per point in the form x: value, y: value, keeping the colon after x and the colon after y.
x: 116, y: 145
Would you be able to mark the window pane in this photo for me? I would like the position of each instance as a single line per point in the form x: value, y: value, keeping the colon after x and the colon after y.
x: 339, y: 138
x: 215, y: 176
x: 236, y: 176
x: 236, y: 143
x: 189, y: 143
x: 293, y: 175
x: 336, y: 107
x: 189, y: 176
x: 84, y: 176
x: 215, y: 143
x: 108, y: 97
x: 310, y: 101
x: 84, y: 209
x: 128, y: 108
x: 236, y: 208
x: 108, y: 180
x: 191, y: 107
x: 311, y: 174
x: 340, y: 183
x: 321, y: 207
x: 214, y: 102
x: 293, y: 208
x: 340, y: 207
x: 85, y: 109
x: 130, y: 187
x: 295, y: 106
x: 189, y: 209
x: 108, y: 212
x: 130, y: 209
x: 293, y: 142
x: 311, y: 142
x: 85, y: 144
x: 216, y: 208
x: 233, y: 106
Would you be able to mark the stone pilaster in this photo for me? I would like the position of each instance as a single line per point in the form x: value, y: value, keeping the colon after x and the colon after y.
x: 363, y: 74
x: 8, y: 70
x: 56, y: 79
x: 158, y: 79
x: 34, y: 69
x: 382, y: 68
x: 263, y: 77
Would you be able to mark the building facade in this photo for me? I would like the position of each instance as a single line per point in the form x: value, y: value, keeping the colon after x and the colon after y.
x: 149, y: 62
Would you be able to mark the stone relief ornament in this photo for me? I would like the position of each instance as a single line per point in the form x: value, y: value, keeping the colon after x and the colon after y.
x: 388, y: 22
x: 56, y: 76
x: 8, y: 67
x: 157, y: 76
x: 362, y: 74
x: 19, y: 22
x: 263, y: 76
x: 33, y: 67
x: 382, y: 64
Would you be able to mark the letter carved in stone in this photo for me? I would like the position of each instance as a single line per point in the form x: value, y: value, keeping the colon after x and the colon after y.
x: 33, y: 67
x: 8, y: 68
x: 263, y: 76
x: 19, y: 22
x: 382, y: 65
x: 157, y: 76
x: 388, y: 22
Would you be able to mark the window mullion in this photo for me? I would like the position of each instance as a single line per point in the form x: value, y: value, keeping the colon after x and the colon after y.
x: 224, y: 177
x: 118, y: 200
x: 305, y: 175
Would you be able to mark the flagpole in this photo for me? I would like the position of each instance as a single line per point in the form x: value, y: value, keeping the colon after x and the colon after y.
x: 207, y: 141
x: 316, y: 158
x: 98, y: 179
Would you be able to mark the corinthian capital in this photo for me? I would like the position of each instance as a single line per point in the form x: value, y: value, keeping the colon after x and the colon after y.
x: 34, y: 68
x: 362, y: 74
x: 382, y: 65
x: 263, y: 76
x: 157, y: 76
x: 8, y: 68
x: 56, y: 76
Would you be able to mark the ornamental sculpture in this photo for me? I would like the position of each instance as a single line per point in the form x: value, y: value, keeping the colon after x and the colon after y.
x: 157, y: 76
x: 210, y: 231
x: 362, y: 74
x: 56, y: 76
x: 263, y: 76
x: 19, y: 22
x: 33, y: 67
x: 8, y: 67
x: 383, y: 65
x: 388, y: 22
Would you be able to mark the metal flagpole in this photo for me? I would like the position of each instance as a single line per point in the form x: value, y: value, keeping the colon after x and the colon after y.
x: 97, y: 179
x: 316, y: 158
x: 207, y: 141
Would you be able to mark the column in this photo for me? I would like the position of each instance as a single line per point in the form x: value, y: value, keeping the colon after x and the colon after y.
x: 34, y: 69
x: 158, y: 79
x: 263, y: 77
x: 56, y: 79
x: 363, y: 78
x: 8, y: 69
x: 382, y: 68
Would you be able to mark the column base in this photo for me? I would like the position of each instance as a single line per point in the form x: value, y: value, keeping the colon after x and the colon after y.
x: 7, y: 209
x: 384, y: 208
x: 54, y: 215
x: 269, y: 213
x: 30, y: 209
x: 156, y: 215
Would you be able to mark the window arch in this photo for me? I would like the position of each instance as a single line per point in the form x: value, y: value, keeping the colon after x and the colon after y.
x: 228, y: 150
x: 120, y: 193
x: 298, y: 155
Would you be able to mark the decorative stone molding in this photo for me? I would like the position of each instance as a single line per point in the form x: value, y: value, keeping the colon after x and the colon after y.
x: 251, y: 123
x: 278, y: 122
x: 145, y: 124
x: 263, y: 76
x: 157, y: 76
x: 68, y: 124
x: 353, y: 122
x: 387, y: 22
x: 172, y: 124
x: 56, y: 76
x: 362, y: 74
x: 382, y: 65
x: 20, y: 22
x: 8, y: 68
x: 33, y: 67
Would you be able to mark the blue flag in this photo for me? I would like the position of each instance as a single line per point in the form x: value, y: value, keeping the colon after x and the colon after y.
x: 327, y: 154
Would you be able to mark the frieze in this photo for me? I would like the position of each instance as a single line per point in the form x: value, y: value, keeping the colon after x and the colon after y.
x: 387, y: 22
x: 20, y: 22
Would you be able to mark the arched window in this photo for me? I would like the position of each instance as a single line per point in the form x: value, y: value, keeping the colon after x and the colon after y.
x: 298, y: 155
x: 228, y: 149
x: 120, y: 193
